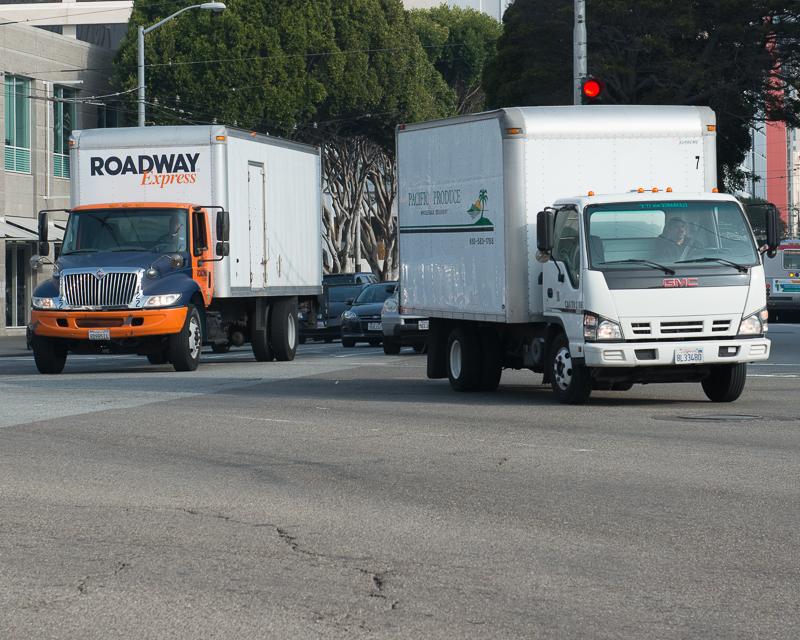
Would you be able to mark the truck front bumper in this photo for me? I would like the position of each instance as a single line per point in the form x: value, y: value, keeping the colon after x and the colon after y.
x: 663, y: 354
x: 76, y: 325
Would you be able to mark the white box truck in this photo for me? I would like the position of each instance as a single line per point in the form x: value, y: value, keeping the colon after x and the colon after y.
x: 178, y: 237
x: 581, y: 242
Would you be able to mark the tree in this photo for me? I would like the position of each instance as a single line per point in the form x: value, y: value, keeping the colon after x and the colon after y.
x: 737, y: 56
x: 460, y: 43
x: 335, y: 73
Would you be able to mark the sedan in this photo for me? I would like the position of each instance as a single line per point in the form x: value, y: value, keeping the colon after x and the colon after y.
x: 361, y: 321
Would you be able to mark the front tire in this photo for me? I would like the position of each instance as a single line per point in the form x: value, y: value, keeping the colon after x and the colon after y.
x: 391, y: 347
x: 569, y: 380
x: 49, y: 354
x: 463, y: 359
x: 725, y: 383
x: 283, y: 329
x: 348, y: 343
x: 184, y: 346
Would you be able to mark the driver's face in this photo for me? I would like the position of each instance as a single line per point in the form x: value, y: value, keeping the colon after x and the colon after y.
x: 677, y: 231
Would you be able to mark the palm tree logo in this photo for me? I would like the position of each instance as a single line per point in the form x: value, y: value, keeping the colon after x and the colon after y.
x: 478, y: 208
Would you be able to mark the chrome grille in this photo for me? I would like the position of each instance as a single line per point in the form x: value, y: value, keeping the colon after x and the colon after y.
x: 641, y: 328
x: 682, y: 326
x: 114, y: 289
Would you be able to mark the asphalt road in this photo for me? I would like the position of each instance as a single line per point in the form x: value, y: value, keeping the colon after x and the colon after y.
x: 343, y: 495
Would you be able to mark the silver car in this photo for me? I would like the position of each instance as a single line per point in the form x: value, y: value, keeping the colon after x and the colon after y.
x: 401, y: 330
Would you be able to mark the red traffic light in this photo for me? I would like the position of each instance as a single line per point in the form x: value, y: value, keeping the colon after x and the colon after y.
x: 592, y: 88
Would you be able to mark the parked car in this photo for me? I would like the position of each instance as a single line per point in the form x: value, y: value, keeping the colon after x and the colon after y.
x: 401, y: 330
x: 327, y: 324
x: 361, y: 322
x: 361, y: 277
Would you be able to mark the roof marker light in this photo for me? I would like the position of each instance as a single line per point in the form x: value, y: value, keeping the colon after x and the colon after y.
x: 655, y: 189
x: 715, y: 190
x: 591, y: 193
x: 640, y: 190
x: 220, y: 138
x: 668, y: 189
x: 711, y: 127
x: 513, y: 131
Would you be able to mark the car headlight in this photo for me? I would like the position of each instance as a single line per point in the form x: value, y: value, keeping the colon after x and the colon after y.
x: 43, y: 303
x: 389, y: 306
x: 754, y: 324
x: 596, y: 329
x: 349, y: 315
x: 163, y: 300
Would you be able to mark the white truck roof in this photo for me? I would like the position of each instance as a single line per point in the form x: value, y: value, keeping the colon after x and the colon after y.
x: 647, y: 196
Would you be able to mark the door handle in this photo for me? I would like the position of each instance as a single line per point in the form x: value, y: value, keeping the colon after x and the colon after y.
x: 549, y: 292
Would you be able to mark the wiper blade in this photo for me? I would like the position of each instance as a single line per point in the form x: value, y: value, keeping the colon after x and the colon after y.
x: 69, y: 253
x: 649, y: 263
x: 742, y: 268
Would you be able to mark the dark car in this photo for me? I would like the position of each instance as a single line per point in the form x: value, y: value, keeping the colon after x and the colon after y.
x: 361, y: 277
x: 327, y: 324
x: 361, y: 322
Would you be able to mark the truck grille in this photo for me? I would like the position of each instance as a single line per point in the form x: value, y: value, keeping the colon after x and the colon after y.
x: 679, y: 328
x: 113, y: 289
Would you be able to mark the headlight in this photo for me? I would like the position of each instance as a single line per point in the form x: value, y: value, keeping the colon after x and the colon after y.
x: 389, y: 306
x: 596, y: 328
x: 43, y: 303
x: 349, y: 315
x: 163, y: 300
x: 755, y: 324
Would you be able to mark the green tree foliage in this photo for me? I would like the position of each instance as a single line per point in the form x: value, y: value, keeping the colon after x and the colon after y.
x: 460, y: 43
x: 736, y: 56
x: 290, y: 67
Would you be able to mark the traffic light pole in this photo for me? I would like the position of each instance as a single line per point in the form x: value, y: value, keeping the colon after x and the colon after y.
x: 579, y: 50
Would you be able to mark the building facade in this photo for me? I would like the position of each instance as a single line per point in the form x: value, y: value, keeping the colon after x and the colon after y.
x: 46, y: 77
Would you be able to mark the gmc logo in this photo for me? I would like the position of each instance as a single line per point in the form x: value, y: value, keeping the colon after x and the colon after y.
x: 676, y: 283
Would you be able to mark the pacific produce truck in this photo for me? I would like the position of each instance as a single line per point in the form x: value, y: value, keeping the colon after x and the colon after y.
x: 782, y: 272
x: 179, y: 237
x: 585, y: 243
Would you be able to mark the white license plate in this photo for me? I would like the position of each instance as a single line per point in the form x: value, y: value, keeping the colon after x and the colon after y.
x: 424, y: 325
x: 320, y: 324
x: 689, y: 356
x: 99, y: 334
x: 373, y: 326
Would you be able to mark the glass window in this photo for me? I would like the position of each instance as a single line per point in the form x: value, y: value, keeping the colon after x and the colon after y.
x: 159, y: 230
x: 375, y: 293
x: 791, y: 260
x: 63, y: 124
x: 18, y: 282
x: 567, y: 248
x: 17, y: 154
x: 670, y: 233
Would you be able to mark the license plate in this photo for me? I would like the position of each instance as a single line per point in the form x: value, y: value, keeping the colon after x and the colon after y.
x: 689, y: 356
x: 320, y: 324
x: 99, y: 334
x: 373, y: 326
x: 424, y: 325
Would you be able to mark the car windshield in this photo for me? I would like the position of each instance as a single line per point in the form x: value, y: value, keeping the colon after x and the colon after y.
x: 375, y: 293
x: 162, y: 230
x: 670, y: 234
x: 342, y: 293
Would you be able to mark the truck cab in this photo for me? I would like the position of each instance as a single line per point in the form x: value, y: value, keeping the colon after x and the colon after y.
x: 651, y: 287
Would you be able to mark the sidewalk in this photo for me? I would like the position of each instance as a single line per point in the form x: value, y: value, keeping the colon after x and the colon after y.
x: 11, y: 346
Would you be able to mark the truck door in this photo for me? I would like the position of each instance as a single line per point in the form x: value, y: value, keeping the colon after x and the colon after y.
x: 202, y: 272
x: 561, y: 288
x: 259, y: 250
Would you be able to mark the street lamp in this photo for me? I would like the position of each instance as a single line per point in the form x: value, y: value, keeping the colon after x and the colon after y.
x: 207, y: 6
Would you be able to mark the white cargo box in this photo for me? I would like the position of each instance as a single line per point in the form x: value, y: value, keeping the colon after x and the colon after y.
x: 270, y: 186
x: 470, y: 188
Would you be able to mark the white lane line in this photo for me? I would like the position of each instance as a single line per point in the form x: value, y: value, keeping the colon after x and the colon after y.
x: 773, y: 375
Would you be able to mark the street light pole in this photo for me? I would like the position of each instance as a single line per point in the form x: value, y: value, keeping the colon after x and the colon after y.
x: 206, y: 6
x: 579, y: 50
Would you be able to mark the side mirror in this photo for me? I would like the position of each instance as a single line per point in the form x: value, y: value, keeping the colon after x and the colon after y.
x: 223, y: 226
x: 223, y: 249
x: 349, y: 302
x: 44, y: 247
x: 545, y: 225
x: 36, y: 262
x: 773, y: 233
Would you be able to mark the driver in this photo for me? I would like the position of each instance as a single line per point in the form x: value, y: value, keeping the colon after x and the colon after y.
x: 175, y: 238
x: 674, y: 239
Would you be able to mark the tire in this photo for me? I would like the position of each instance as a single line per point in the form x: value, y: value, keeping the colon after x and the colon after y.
x: 259, y: 335
x: 463, y: 359
x: 491, y: 361
x: 622, y: 386
x: 283, y: 329
x: 419, y: 348
x: 348, y: 343
x: 158, y: 358
x: 391, y: 347
x: 49, y: 354
x: 570, y: 381
x: 184, y: 346
x: 375, y: 343
x: 220, y: 348
x: 725, y: 383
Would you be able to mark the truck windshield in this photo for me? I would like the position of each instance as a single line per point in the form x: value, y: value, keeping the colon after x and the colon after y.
x: 674, y: 234
x: 158, y: 230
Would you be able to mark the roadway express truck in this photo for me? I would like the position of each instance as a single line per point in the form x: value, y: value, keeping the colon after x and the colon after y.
x: 585, y: 243
x: 179, y: 237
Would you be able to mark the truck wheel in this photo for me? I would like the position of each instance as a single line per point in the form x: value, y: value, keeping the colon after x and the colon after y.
x: 391, y: 347
x: 348, y: 343
x: 184, y: 346
x: 570, y: 381
x: 725, y: 383
x: 283, y: 329
x: 49, y: 354
x: 491, y: 361
x: 259, y: 336
x: 463, y: 360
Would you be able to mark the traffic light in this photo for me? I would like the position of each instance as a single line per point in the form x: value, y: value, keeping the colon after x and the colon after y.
x: 592, y: 90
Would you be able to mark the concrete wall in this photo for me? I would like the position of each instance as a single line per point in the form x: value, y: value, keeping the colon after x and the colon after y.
x: 43, y: 56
